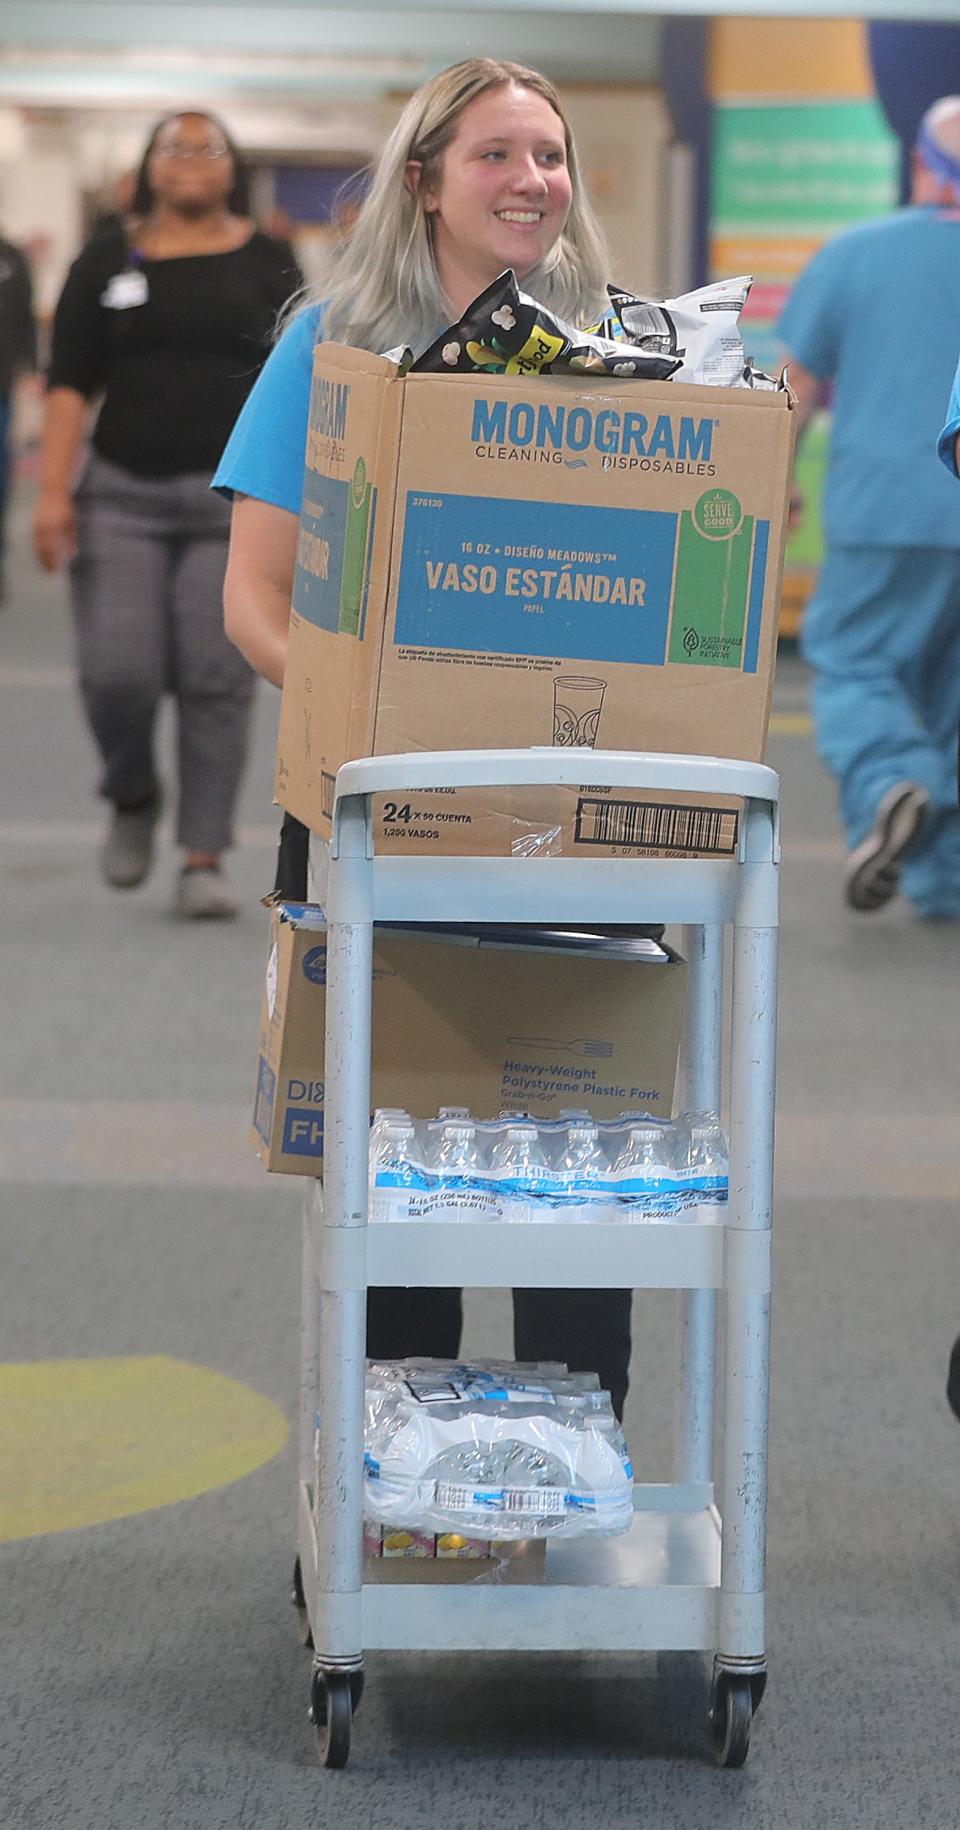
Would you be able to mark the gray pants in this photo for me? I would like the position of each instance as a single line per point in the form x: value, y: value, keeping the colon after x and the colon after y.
x: 147, y: 595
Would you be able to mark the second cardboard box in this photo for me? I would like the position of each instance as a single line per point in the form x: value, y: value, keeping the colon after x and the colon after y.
x: 464, y: 1023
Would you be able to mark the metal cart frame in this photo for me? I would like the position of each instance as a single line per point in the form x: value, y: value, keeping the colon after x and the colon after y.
x: 690, y: 1573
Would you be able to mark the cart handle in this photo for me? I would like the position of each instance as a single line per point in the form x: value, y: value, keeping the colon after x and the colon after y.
x: 548, y: 766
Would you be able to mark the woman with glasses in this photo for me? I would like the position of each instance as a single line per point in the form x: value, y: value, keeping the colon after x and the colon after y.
x: 168, y: 320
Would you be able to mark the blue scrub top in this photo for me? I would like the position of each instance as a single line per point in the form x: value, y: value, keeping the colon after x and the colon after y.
x: 947, y: 442
x: 266, y: 451
x: 877, y: 311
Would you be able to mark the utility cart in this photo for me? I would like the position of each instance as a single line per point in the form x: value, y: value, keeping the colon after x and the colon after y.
x: 689, y: 1575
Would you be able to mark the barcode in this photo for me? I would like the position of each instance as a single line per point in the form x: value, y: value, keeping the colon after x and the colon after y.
x: 536, y: 1502
x: 652, y: 826
x: 547, y: 1502
x: 328, y: 784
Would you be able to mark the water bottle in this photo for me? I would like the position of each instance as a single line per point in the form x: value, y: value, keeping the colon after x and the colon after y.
x: 397, y: 1178
x: 645, y: 1149
x: 526, y: 1483
x: 707, y: 1157
x: 583, y: 1170
x: 394, y: 1166
x: 518, y: 1162
x: 456, y: 1155
x: 454, y: 1112
x: 644, y: 1173
x: 383, y: 1116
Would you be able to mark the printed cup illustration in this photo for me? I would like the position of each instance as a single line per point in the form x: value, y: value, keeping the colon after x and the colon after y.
x: 354, y: 551
x: 577, y: 704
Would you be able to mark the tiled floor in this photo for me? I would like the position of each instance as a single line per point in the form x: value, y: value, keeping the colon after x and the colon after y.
x: 150, y: 1671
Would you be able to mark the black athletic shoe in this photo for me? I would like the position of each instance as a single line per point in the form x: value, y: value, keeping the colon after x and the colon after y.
x: 953, y: 1380
x: 873, y: 868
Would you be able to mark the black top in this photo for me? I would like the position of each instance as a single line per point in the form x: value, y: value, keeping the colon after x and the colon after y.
x: 18, y: 335
x: 174, y: 345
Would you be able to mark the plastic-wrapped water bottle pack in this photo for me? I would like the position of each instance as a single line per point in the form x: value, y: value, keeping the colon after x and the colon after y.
x: 516, y: 1168
x: 493, y: 1449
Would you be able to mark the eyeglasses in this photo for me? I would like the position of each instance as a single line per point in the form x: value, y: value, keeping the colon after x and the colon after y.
x: 173, y: 150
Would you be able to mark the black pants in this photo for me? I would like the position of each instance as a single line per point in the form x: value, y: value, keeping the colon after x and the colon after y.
x: 587, y: 1329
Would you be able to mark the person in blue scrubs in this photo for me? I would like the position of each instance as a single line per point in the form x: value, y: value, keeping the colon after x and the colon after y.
x: 949, y: 449
x: 877, y: 313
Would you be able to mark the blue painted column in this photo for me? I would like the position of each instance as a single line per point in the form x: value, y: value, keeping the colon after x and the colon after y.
x: 912, y: 66
x: 684, y: 53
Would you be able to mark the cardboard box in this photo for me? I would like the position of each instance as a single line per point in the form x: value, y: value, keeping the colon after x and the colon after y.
x: 413, y: 1556
x: 387, y: 1544
x: 464, y: 1023
x: 510, y: 562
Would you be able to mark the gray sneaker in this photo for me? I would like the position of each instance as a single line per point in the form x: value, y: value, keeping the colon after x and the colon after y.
x: 203, y: 893
x: 127, y: 851
x: 873, y: 868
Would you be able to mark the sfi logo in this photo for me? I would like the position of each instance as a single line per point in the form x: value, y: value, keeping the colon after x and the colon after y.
x: 691, y: 641
x: 315, y: 965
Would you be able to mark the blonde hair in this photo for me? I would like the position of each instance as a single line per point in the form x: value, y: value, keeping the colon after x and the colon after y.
x: 383, y: 289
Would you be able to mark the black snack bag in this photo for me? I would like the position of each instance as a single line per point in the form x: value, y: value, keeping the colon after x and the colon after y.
x: 506, y: 333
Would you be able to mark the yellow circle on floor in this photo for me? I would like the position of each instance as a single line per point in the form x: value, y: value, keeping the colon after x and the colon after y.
x: 83, y: 1441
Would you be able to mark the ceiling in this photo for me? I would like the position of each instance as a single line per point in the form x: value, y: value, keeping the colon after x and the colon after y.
x: 96, y: 53
x: 60, y: 52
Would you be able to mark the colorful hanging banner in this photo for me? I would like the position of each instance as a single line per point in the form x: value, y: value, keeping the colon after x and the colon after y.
x: 789, y: 171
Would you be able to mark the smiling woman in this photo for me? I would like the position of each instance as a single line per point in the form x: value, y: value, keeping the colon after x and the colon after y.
x: 479, y: 174
x: 500, y: 196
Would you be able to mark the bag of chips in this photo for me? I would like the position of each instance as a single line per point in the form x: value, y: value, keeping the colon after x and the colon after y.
x: 700, y: 329
x: 504, y: 332
x: 758, y: 378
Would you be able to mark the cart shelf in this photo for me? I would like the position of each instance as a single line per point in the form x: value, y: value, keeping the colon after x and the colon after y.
x: 700, y: 1252
x: 655, y: 1588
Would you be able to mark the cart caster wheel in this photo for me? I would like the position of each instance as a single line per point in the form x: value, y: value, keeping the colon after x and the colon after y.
x: 732, y: 1714
x: 334, y: 1697
x: 299, y: 1600
x: 318, y: 1703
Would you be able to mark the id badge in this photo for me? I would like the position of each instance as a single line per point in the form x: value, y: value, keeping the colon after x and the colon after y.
x: 125, y: 289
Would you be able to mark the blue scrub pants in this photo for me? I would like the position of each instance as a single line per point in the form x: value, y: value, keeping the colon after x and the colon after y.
x: 882, y: 635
